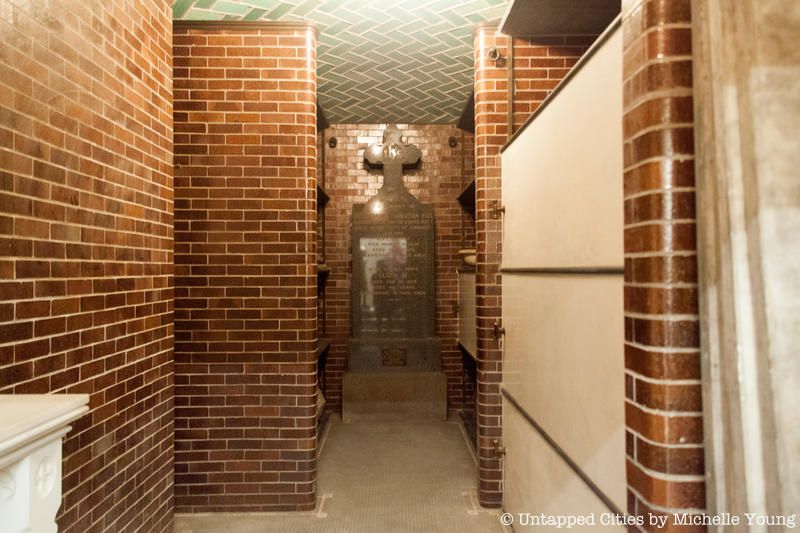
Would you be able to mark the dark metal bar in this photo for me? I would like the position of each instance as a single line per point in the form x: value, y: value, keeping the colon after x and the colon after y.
x: 564, y: 271
x: 322, y: 120
x: 321, y: 214
x: 510, y: 88
x: 463, y: 179
x: 467, y: 352
x: 561, y: 453
x: 466, y: 122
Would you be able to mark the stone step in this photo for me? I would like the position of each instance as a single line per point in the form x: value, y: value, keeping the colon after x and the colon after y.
x: 396, y: 396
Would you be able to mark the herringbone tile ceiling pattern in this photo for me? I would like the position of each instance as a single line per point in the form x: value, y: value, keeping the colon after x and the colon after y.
x: 379, y: 61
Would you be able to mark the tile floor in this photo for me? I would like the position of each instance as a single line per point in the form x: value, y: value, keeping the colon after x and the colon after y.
x: 379, y: 476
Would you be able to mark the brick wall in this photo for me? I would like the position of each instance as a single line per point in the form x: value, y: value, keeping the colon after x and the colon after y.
x: 86, y: 239
x: 539, y: 64
x: 663, y: 408
x: 245, y: 320
x: 438, y: 181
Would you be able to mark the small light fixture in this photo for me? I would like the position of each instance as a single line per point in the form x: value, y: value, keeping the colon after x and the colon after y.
x: 452, y: 142
x: 332, y: 142
x: 377, y: 207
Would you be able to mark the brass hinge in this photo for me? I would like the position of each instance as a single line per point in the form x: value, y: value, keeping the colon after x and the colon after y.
x: 499, y: 450
x: 498, y: 330
x: 496, y: 209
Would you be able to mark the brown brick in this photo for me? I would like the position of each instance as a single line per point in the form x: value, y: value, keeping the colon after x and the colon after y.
x: 661, y: 324
x: 234, y: 307
x: 670, y: 460
x: 116, y: 192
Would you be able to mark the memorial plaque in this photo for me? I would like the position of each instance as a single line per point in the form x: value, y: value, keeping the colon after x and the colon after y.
x: 395, y: 357
x: 393, y: 306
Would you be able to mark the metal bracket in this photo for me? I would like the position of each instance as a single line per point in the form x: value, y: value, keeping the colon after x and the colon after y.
x: 496, y: 209
x: 499, y: 450
x: 498, y: 330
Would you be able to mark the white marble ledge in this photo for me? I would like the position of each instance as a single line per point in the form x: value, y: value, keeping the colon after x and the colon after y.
x: 29, y: 420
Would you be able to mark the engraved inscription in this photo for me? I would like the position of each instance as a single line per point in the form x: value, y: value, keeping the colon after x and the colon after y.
x: 393, y: 298
x: 393, y: 270
x: 395, y: 357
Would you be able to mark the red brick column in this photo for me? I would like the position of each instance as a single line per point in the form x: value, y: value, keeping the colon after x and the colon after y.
x: 663, y: 407
x: 491, y: 132
x: 86, y: 245
x: 245, y: 322
x: 539, y: 65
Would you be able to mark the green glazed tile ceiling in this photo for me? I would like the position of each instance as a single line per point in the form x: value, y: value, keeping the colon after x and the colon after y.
x: 379, y: 61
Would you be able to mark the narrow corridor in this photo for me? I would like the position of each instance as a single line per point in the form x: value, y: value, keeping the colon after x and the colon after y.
x: 406, y: 266
x: 378, y: 476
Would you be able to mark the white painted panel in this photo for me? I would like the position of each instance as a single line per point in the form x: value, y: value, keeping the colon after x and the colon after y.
x: 562, y: 177
x: 563, y: 347
x: 538, y: 482
x: 564, y: 363
x: 467, y: 326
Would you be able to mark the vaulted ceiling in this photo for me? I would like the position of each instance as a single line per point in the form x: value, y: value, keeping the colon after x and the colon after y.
x: 382, y: 61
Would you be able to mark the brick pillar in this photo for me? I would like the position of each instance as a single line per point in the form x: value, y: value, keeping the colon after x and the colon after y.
x: 245, y: 274
x: 540, y: 63
x: 491, y: 131
x: 663, y: 408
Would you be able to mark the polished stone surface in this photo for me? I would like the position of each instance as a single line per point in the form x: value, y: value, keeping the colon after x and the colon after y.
x: 379, y: 476
x: 393, y: 355
x: 393, y: 269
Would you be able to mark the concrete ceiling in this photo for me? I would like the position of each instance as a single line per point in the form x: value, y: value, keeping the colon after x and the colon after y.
x: 379, y: 61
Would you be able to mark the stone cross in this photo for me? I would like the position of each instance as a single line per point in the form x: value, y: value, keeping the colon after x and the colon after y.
x: 392, y: 154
